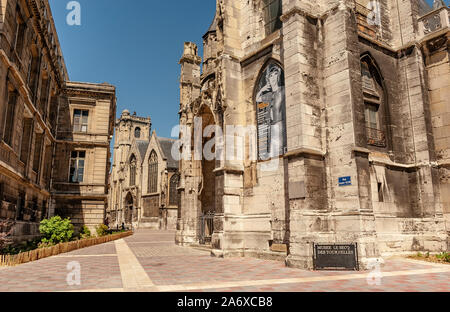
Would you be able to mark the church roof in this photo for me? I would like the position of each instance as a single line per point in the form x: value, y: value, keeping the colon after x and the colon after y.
x: 166, y: 146
x: 212, y: 28
x: 142, y: 147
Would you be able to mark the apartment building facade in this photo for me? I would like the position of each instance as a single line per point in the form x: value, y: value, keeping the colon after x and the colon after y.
x: 46, y: 127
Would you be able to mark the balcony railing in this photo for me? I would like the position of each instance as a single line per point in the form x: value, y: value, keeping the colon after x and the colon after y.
x: 434, y: 21
x: 376, y: 137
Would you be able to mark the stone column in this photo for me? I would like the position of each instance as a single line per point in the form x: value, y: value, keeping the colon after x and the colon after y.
x: 322, y: 72
x: 227, y: 239
x: 420, y: 146
x: 188, y: 222
x: 303, y: 110
x: 438, y: 73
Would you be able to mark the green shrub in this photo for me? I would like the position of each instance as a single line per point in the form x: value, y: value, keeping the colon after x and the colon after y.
x: 85, y: 232
x: 445, y: 256
x: 102, y: 230
x: 56, y: 230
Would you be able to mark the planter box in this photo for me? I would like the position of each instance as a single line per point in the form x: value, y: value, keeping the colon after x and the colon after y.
x: 37, y: 254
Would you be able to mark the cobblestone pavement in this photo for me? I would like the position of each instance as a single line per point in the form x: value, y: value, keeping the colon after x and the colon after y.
x: 150, y: 261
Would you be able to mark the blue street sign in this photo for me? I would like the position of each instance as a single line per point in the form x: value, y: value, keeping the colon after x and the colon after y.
x: 345, y: 181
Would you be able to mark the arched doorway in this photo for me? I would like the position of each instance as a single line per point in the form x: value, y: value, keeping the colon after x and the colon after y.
x: 207, y: 196
x: 129, y: 203
x: 173, y: 190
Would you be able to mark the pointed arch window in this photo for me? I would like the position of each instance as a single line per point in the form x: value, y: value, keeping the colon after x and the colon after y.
x: 270, y: 98
x: 153, y: 173
x: 374, y: 102
x: 173, y: 190
x: 133, y: 170
x: 272, y: 12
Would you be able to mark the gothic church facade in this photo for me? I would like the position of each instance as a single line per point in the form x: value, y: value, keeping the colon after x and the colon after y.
x: 350, y: 105
x: 144, y: 178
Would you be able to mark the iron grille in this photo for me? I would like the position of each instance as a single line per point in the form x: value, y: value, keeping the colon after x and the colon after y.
x: 206, y: 228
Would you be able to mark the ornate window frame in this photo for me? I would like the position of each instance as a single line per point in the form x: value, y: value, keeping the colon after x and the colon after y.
x: 153, y: 172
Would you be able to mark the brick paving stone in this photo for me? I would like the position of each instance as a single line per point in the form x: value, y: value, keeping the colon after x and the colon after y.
x: 167, y: 264
x: 104, y: 249
x: 50, y: 274
x: 172, y: 267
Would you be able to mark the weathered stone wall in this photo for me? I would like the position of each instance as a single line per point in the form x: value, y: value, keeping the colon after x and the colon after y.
x: 151, y: 207
x: 88, y: 212
x: 393, y: 204
x: 437, y: 68
x: 27, y: 226
x: 170, y: 219
x: 31, y: 72
x: 395, y: 190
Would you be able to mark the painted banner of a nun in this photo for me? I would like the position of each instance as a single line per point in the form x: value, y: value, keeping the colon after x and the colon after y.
x: 271, y: 113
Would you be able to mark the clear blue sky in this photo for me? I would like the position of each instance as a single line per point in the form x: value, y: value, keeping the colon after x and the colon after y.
x: 134, y: 45
x: 136, y: 48
x: 447, y: 2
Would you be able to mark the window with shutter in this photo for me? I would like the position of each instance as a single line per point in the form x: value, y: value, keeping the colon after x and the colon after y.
x: 80, y: 120
x: 10, y: 116
x: 373, y: 95
x: 77, y: 164
x: 37, y: 153
x: 26, y: 140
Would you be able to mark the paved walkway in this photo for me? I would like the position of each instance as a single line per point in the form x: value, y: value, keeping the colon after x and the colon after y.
x: 150, y: 261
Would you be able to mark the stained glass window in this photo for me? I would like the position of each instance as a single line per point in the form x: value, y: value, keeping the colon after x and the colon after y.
x: 153, y: 173
x: 133, y: 170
